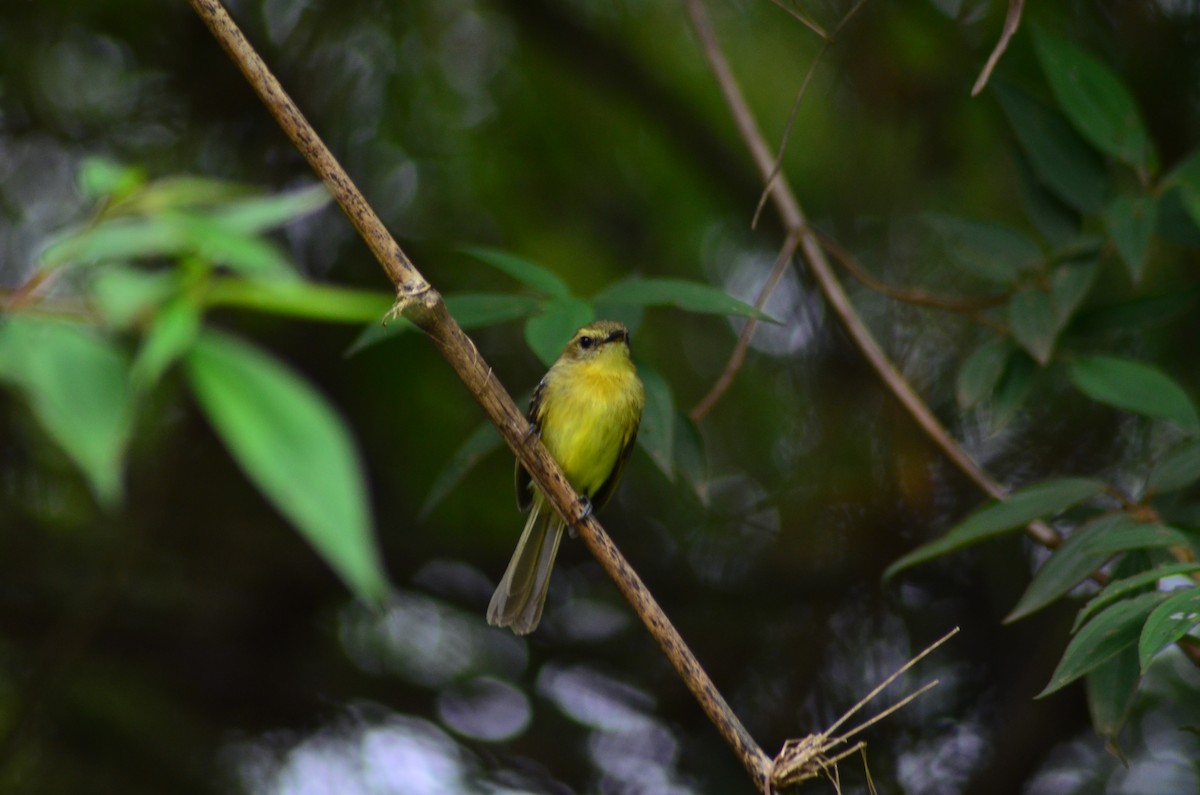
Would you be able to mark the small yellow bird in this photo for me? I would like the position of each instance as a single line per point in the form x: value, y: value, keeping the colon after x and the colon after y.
x: 587, y: 410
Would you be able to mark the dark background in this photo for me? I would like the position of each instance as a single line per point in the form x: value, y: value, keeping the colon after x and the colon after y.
x: 191, y: 642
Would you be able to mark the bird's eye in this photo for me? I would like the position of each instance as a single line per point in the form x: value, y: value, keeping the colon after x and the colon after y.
x: 585, y: 342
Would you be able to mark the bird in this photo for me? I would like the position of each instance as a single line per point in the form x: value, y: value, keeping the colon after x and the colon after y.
x: 587, y: 410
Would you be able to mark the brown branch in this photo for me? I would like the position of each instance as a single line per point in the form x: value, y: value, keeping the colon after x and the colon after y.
x: 1012, y: 20
x: 423, y: 305
x: 795, y: 222
x: 743, y: 344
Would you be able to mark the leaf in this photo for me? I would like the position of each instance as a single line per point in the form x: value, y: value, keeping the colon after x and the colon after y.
x: 76, y: 385
x: 117, y: 240
x: 1134, y: 386
x: 1069, y: 286
x: 528, y: 273
x: 1058, y: 222
x: 990, y: 251
x: 681, y: 293
x: 1127, y: 585
x: 1169, y: 622
x: 482, y: 442
x: 1034, y: 323
x: 1095, y: 100
x: 1130, y: 221
x: 1063, y: 162
x: 1015, y: 386
x: 295, y: 448
x: 1112, y: 631
x: 471, y: 310
x: 1111, y: 692
x: 100, y: 177
x: 549, y: 332
x: 1021, y: 507
x: 307, y: 300
x: 124, y: 295
x: 174, y: 330
x: 657, y: 432
x: 980, y: 373
x: 1179, y: 469
x: 1067, y: 566
x: 251, y: 256
x: 1135, y: 315
x: 257, y: 214
x: 1186, y: 176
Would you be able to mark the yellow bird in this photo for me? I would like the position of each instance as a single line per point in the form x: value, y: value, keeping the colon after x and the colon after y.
x: 587, y: 410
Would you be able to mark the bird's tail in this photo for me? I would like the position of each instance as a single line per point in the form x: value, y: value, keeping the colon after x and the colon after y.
x: 519, y: 598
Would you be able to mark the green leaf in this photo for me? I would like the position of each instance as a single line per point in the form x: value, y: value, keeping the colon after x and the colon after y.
x: 295, y: 448
x: 1034, y: 323
x: 657, y: 432
x: 124, y: 295
x: 471, y: 310
x: 1015, y: 387
x: 252, y: 256
x: 1021, y: 507
x: 181, y: 193
x: 1113, y: 630
x: 990, y: 251
x: 1134, y: 386
x: 1130, y: 221
x: 1095, y: 100
x: 174, y: 330
x: 1063, y: 162
x: 1118, y: 589
x: 307, y: 300
x: 1058, y: 222
x: 1186, y: 176
x: 528, y: 273
x: 1111, y: 692
x: 1068, y: 566
x: 118, y: 240
x: 76, y: 384
x: 686, y: 295
x: 1136, y: 315
x: 100, y: 177
x: 1169, y: 622
x: 1069, y: 286
x: 1179, y: 469
x: 482, y: 442
x: 980, y: 373
x: 259, y: 214
x: 549, y: 332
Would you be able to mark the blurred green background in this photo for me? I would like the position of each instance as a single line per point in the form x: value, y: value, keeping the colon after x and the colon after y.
x: 189, y: 641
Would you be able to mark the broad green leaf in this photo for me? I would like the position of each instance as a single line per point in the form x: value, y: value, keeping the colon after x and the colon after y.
x: 1062, y: 161
x: 1187, y: 177
x: 990, y: 251
x: 258, y: 214
x: 1130, y: 221
x: 681, y: 293
x: 248, y: 254
x: 180, y: 193
x: 1135, y: 315
x: 124, y: 295
x: 1021, y: 507
x: 1170, y: 621
x: 100, y: 177
x: 1111, y: 692
x: 77, y: 385
x: 1178, y: 469
x: 1113, y: 630
x: 118, y: 240
x: 1015, y: 386
x: 1096, y: 101
x: 549, y: 332
x: 1034, y: 323
x: 170, y: 336
x: 307, y: 300
x: 482, y: 442
x: 657, y: 431
x: 1057, y: 221
x: 981, y: 372
x: 528, y: 273
x: 1068, y: 566
x: 1134, y: 386
x: 471, y: 310
x: 1118, y: 589
x: 295, y: 448
x: 1069, y: 286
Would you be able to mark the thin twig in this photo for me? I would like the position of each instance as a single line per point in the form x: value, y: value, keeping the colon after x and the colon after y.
x: 794, y: 221
x: 743, y: 344
x: 423, y: 305
x: 1012, y: 21
x: 804, y: 20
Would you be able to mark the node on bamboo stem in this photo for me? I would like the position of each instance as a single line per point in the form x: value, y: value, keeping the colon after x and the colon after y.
x: 818, y: 754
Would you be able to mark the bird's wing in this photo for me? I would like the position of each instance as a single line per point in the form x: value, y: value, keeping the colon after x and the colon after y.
x: 524, y: 489
x: 609, y: 485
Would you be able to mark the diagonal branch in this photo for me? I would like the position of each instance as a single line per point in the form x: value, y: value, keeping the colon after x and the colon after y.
x: 795, y: 222
x: 423, y: 305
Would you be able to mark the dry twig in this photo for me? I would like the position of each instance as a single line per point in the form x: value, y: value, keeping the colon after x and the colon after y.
x: 1011, y: 22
